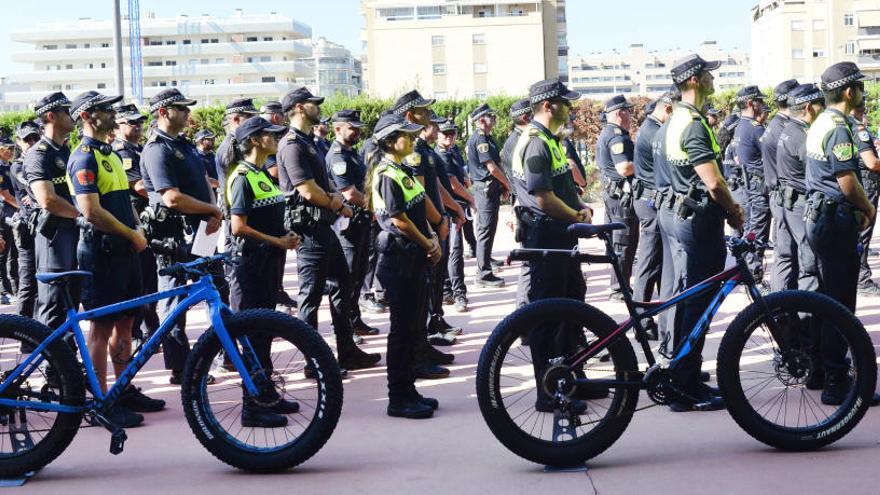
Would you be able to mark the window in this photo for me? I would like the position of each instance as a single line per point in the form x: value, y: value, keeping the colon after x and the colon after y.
x: 70, y: 46
x: 205, y: 41
x: 797, y: 53
x: 68, y: 66
x: 797, y: 25
x: 155, y: 43
x: 103, y: 65
x: 268, y: 79
x: 215, y: 40
x: 251, y: 39
x: 479, y: 39
x: 438, y: 41
x: 105, y: 45
x: 170, y: 62
x: 102, y: 85
x: 205, y: 61
x: 87, y: 45
x: 818, y: 52
x: 480, y: 69
x: 439, y: 69
x: 266, y: 58
x: 220, y: 61
x: 850, y: 47
x: 848, y: 20
x: 187, y: 42
x: 208, y: 81
x: 267, y: 38
x: 171, y: 42
x: 396, y: 13
x: 818, y: 24
x: 481, y: 95
x: 154, y: 64
x: 50, y: 47
x: 193, y: 61
x: 89, y: 66
x: 429, y: 12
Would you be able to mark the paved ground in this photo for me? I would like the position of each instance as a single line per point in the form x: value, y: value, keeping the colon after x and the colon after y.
x: 454, y: 452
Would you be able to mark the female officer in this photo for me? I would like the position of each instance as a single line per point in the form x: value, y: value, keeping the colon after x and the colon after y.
x: 256, y: 206
x: 406, y: 244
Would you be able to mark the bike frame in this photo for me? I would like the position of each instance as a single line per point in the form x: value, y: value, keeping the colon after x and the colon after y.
x: 201, y: 291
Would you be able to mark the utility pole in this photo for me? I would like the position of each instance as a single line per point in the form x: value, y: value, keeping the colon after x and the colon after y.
x: 117, y: 48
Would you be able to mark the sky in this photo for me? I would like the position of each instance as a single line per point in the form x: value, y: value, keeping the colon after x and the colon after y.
x: 592, y: 25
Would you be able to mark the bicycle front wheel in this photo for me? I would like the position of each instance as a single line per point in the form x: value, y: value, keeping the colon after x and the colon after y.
x: 777, y: 385
x: 257, y: 437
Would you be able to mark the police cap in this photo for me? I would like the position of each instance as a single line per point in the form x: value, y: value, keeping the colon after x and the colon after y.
x: 434, y: 118
x: 840, y: 75
x: 730, y: 122
x: 651, y: 106
x: 391, y: 123
x: 252, y: 126
x: 5, y: 142
x: 691, y: 65
x: 481, y: 111
x: 352, y: 117
x: 50, y: 102
x: 780, y: 92
x: 299, y: 95
x: 129, y: 113
x: 712, y: 111
x: 89, y: 100
x: 409, y: 101
x: 26, y: 129
x: 748, y: 93
x: 805, y: 93
x: 521, y: 107
x: 448, y: 126
x: 168, y: 98
x: 271, y: 107
x: 241, y: 105
x: 617, y: 103
x: 551, y: 89
x: 204, y: 134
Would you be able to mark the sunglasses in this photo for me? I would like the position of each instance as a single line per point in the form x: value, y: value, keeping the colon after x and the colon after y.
x: 103, y: 108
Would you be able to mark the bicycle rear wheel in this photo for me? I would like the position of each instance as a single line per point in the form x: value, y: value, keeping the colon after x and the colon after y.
x: 216, y: 412
x: 774, y: 390
x: 507, y: 386
x: 30, y: 439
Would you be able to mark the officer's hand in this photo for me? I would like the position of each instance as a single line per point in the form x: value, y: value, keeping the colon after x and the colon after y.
x: 868, y: 218
x: 213, y: 225
x: 585, y: 216
x: 736, y: 218
x: 26, y: 201
x: 460, y: 219
x: 138, y: 240
x: 434, y: 254
x: 346, y: 212
x: 335, y: 201
x: 288, y: 241
x: 443, y: 229
x: 216, y: 213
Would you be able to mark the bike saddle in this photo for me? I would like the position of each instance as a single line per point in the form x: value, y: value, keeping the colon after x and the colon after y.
x: 60, y: 277
x: 587, y: 230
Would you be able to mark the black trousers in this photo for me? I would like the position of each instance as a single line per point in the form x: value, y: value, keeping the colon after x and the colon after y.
x: 834, y: 238
x: 401, y: 269
x: 8, y: 257
x: 785, y: 270
x: 372, y: 284
x: 254, y: 284
x: 488, y: 198
x: 625, y: 241
x: 758, y: 221
x: 437, y: 278
x: 355, y: 246
x: 872, y: 190
x: 147, y: 321
x: 808, y: 276
x: 27, y: 269
x: 650, y: 252
x: 701, y: 253
x: 55, y: 254
x: 455, y: 263
x: 320, y: 259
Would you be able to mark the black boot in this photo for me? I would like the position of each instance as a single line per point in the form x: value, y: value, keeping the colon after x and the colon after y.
x: 256, y: 416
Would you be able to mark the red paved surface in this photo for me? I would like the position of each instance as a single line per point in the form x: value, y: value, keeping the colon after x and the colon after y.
x: 455, y: 453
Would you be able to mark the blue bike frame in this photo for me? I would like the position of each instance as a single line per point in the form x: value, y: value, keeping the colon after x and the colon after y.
x: 202, y: 290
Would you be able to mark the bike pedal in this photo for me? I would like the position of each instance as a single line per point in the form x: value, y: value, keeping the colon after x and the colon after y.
x: 117, y: 441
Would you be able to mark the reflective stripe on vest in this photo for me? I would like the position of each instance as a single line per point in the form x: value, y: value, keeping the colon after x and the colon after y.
x: 820, y: 130
x: 413, y: 191
x: 266, y: 193
x: 111, y: 174
x: 682, y: 117
x: 559, y: 165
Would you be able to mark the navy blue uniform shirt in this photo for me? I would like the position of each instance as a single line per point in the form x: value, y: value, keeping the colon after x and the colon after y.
x: 48, y: 161
x: 481, y: 148
x: 612, y: 147
x: 747, y: 145
x: 345, y: 167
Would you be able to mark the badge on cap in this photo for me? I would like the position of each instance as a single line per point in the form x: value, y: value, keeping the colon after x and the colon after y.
x: 312, y: 150
x: 843, y: 152
x: 85, y: 177
x: 265, y: 187
x: 339, y: 167
x: 483, y: 147
x: 408, y: 183
x: 864, y: 136
x: 126, y: 163
x: 617, y: 148
x: 86, y: 148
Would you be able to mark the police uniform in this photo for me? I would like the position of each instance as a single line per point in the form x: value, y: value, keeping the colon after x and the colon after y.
x: 539, y: 164
x: 319, y: 257
x: 612, y: 147
x: 116, y: 271
x: 346, y: 169
x: 871, y: 184
x: 698, y: 221
x: 785, y: 271
x: 732, y: 171
x: 452, y: 165
x: 791, y: 156
x: 209, y: 158
x: 648, y: 271
x: 747, y: 143
x: 481, y: 149
x: 517, y: 110
x: 55, y: 244
x: 833, y: 223
x: 227, y: 153
x: 9, y: 256
x: 171, y: 162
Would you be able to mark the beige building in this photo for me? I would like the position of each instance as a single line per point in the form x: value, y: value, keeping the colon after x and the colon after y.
x: 461, y: 48
x: 638, y: 71
x: 802, y: 38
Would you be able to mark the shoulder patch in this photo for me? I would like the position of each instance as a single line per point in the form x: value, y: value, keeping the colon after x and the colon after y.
x: 118, y: 146
x: 339, y: 167
x: 60, y: 163
x: 838, y: 119
x: 755, y: 123
x: 42, y: 147
x: 864, y: 136
x: 85, y: 177
x: 617, y: 148
x: 85, y: 148
x: 617, y: 132
x: 126, y: 163
x: 241, y: 170
x: 414, y: 160
x: 265, y: 187
x: 843, y: 151
x: 483, y: 147
x: 408, y: 183
x: 695, y: 115
x: 533, y: 131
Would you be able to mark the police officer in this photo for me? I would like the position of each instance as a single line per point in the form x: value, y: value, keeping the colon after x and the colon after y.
x: 702, y: 200
x: 204, y: 140
x: 348, y: 174
x: 256, y: 208
x: 785, y: 271
x: 406, y: 246
x: 45, y: 167
x: 614, y: 156
x: 837, y: 210
x: 733, y: 172
x: 237, y: 112
x: 321, y: 131
x: 27, y: 135
x: 578, y: 172
x: 747, y: 152
x: 313, y: 206
x: 181, y: 197
x: 130, y: 122
x: 550, y: 203
x: 869, y: 168
x: 713, y: 117
x: 649, y: 269
x: 521, y: 114
x: 490, y: 185
x: 107, y: 248
x: 9, y: 256
x: 454, y: 168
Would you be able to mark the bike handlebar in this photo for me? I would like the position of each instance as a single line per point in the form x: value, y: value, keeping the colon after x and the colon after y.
x: 194, y: 267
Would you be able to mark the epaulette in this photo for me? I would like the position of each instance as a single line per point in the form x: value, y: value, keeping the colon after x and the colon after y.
x: 152, y: 139
x: 534, y: 131
x: 618, y: 132
x: 755, y: 123
x: 837, y: 119
x: 41, y: 147
x: 118, y: 145
x: 695, y: 115
x: 241, y: 169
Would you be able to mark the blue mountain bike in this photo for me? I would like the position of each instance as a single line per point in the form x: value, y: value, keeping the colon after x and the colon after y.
x: 769, y: 366
x: 41, y: 410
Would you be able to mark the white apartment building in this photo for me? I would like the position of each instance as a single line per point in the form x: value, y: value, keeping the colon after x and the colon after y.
x: 336, y: 71
x: 462, y: 48
x: 638, y: 71
x: 211, y: 59
x: 802, y: 38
